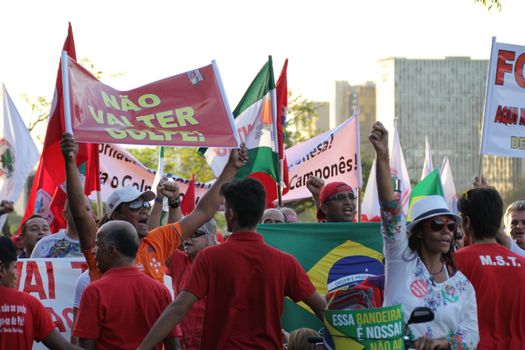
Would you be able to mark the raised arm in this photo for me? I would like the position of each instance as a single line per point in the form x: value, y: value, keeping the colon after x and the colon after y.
x: 84, y: 221
x: 314, y: 184
x: 379, y: 139
x: 211, y: 200
x: 170, y: 190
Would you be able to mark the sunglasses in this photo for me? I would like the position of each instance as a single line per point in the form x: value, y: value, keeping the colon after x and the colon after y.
x: 517, y: 222
x: 197, y: 234
x: 340, y: 197
x: 437, y: 225
x: 137, y: 204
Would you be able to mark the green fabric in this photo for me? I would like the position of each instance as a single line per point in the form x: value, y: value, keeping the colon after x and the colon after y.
x: 316, y: 246
x: 429, y: 186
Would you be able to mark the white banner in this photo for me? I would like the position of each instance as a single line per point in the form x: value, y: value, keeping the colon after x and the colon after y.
x: 504, y: 119
x: 52, y: 281
x: 118, y: 168
x: 332, y: 156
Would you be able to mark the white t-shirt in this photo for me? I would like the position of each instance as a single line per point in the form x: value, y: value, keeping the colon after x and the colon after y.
x: 408, y: 282
x: 57, y: 245
x: 82, y: 281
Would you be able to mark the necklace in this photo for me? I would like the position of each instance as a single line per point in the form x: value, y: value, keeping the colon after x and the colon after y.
x: 437, y: 273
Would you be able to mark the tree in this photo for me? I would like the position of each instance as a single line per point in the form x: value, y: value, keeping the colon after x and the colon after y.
x: 490, y: 4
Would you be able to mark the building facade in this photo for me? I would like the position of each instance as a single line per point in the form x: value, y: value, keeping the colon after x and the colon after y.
x: 443, y: 99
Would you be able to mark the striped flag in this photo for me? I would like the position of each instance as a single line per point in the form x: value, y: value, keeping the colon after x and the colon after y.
x: 256, y: 121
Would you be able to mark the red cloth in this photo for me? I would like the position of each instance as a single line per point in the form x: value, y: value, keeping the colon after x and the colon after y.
x: 192, y: 323
x: 120, y: 308
x: 27, y: 317
x: 245, y: 282
x: 188, y: 201
x: 498, y: 276
x: 50, y: 173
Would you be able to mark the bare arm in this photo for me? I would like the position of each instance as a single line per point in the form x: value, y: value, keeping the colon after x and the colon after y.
x: 168, y: 320
x: 75, y: 194
x: 55, y: 341
x: 314, y: 185
x: 317, y: 303
x: 211, y: 200
x: 379, y: 139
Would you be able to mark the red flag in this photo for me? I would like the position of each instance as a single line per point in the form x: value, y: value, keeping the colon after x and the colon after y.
x: 188, y: 201
x: 281, y: 88
x: 47, y: 198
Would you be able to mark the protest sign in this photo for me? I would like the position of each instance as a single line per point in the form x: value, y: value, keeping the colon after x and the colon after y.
x: 504, y: 119
x: 188, y: 109
x: 52, y: 281
x: 118, y: 168
x: 332, y: 156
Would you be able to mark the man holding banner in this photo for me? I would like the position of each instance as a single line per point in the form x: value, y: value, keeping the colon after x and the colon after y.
x: 156, y: 246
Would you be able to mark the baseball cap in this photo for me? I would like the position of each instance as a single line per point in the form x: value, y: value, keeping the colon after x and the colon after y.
x: 126, y: 194
x: 329, y: 190
x: 7, y: 250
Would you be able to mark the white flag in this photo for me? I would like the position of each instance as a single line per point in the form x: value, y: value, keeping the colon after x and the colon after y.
x: 18, y: 153
x: 370, y: 207
x: 398, y: 168
x: 427, y: 164
x: 449, y: 189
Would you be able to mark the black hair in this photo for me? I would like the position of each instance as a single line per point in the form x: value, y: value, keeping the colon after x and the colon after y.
x: 414, y: 243
x: 484, y: 208
x: 7, y: 250
x: 247, y: 198
x: 24, y: 225
x: 122, y: 235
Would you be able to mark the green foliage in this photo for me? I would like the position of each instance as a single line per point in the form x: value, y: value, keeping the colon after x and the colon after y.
x: 300, y: 120
x: 490, y: 4
x: 181, y: 162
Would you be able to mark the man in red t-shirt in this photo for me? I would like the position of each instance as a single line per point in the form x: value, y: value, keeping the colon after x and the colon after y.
x: 131, y: 205
x: 497, y: 274
x: 117, y: 310
x: 179, y: 270
x: 23, y: 318
x: 245, y: 282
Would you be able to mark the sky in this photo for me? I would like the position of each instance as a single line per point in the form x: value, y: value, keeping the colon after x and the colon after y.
x: 324, y: 41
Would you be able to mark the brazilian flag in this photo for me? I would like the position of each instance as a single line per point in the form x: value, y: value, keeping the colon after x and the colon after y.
x: 333, y: 255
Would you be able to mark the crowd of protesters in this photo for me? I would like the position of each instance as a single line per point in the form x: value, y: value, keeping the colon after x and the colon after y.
x: 461, y: 264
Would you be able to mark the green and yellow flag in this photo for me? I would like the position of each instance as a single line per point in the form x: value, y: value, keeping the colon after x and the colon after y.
x: 333, y: 255
x: 429, y: 186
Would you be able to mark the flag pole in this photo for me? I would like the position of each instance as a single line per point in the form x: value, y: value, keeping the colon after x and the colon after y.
x: 279, y: 184
x: 483, y: 129
x: 67, y: 114
x: 65, y: 89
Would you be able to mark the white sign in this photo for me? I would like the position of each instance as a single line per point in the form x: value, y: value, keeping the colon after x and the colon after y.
x: 118, y: 168
x: 332, y: 156
x: 52, y: 281
x: 504, y: 119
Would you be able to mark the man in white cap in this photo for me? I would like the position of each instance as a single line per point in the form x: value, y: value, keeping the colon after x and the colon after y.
x: 131, y: 205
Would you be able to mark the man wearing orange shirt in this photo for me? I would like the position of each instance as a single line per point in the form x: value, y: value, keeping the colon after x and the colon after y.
x: 132, y: 206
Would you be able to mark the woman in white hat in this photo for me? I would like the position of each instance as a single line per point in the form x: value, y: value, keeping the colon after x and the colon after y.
x: 419, y: 267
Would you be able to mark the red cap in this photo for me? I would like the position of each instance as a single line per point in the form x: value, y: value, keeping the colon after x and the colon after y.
x: 329, y: 190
